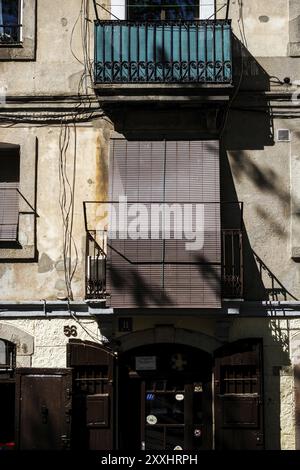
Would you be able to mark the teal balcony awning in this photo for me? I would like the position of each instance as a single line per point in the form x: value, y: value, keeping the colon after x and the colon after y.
x: 163, y: 52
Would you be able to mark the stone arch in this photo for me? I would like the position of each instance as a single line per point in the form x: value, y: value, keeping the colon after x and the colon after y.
x: 24, y: 343
x: 169, y: 334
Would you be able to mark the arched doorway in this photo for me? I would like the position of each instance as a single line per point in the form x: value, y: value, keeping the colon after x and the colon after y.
x: 165, y: 400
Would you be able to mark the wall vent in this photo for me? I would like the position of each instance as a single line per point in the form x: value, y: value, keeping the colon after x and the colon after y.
x: 283, y: 135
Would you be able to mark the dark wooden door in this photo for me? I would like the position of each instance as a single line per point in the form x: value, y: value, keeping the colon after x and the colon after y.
x: 43, y: 409
x: 239, y: 396
x: 93, y: 395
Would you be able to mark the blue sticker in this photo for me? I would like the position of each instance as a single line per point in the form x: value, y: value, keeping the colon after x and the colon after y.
x: 150, y: 396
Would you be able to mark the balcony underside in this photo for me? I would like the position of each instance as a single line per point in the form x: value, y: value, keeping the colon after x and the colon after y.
x: 180, y: 93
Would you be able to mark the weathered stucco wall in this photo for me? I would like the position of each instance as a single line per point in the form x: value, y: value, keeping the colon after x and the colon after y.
x: 44, y: 279
x: 262, y: 174
x: 262, y: 25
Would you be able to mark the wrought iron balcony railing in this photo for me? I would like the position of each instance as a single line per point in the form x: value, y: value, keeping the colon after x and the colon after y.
x: 163, y: 52
x: 96, y: 264
x: 100, y: 247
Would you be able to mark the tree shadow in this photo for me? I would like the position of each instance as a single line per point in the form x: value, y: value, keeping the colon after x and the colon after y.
x: 134, y: 284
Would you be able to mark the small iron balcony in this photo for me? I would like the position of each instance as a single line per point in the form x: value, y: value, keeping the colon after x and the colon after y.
x: 163, y: 52
x: 96, y: 265
x: 165, y: 266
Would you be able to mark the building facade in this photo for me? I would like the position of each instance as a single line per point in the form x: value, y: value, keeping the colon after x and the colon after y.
x: 149, y: 224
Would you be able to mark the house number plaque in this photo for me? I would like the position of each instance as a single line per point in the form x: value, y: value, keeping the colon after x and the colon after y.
x: 70, y: 330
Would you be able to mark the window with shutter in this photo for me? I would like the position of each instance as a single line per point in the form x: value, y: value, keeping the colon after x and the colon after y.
x: 162, y: 272
x: 9, y: 195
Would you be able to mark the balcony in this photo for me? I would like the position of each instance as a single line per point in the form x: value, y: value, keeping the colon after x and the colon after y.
x: 161, y: 268
x: 174, y: 55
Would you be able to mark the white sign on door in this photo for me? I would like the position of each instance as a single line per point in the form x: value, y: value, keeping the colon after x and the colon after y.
x: 145, y: 363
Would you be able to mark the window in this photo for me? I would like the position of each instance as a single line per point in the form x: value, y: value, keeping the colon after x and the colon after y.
x: 207, y: 9
x: 9, y: 21
x: 18, y: 26
x: 239, y: 379
x: 163, y: 10
x: 7, y: 355
x: 9, y: 195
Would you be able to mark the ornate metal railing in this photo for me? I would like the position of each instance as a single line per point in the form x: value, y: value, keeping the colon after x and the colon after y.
x: 275, y: 290
x: 99, y: 243
x: 95, y: 269
x: 232, y: 264
x: 163, y: 52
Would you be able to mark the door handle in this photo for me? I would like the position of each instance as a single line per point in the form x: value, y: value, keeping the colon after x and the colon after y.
x: 68, y: 415
x: 44, y: 413
x: 143, y: 445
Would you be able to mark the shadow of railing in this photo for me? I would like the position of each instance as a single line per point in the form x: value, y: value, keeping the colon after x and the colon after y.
x: 276, y: 291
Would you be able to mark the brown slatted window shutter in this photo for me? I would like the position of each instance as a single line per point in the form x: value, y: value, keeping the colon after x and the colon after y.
x: 9, y: 196
x: 163, y: 273
x: 9, y: 211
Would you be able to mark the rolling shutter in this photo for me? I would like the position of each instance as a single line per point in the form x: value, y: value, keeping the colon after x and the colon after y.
x: 163, y: 272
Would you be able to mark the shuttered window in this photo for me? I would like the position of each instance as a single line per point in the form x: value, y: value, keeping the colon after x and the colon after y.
x: 164, y: 272
x: 9, y: 196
